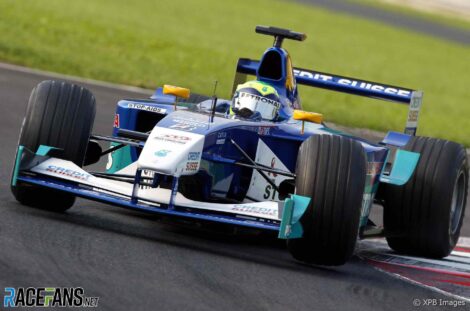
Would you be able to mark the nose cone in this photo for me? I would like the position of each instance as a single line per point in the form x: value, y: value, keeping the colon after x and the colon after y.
x: 172, y: 152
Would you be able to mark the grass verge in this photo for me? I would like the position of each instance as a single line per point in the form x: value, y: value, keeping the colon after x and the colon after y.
x: 444, y: 19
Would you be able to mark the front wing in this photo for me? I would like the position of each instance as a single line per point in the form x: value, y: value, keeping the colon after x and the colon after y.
x: 50, y: 172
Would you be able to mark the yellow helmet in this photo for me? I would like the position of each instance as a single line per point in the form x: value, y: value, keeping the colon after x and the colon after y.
x: 256, y: 98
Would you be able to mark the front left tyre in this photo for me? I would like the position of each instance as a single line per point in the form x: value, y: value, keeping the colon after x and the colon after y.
x: 61, y: 115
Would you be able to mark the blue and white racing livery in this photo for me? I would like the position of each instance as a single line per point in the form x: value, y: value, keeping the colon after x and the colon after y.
x: 196, y: 159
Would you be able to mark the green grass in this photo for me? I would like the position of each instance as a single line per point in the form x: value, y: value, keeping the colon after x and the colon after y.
x: 444, y: 19
x: 192, y: 43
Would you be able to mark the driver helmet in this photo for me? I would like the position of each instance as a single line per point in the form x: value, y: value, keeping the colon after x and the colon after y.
x: 256, y: 99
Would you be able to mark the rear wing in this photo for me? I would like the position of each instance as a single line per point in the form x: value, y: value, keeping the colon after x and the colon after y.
x: 412, y: 98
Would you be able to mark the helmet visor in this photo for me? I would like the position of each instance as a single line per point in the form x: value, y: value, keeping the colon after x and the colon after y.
x: 268, y: 108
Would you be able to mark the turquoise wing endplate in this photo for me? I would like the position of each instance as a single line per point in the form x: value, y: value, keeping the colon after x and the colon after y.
x: 42, y: 151
x: 403, y: 168
x: 294, y: 208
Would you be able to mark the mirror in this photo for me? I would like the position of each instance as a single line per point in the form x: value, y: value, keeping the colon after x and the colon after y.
x: 176, y: 91
x: 308, y: 116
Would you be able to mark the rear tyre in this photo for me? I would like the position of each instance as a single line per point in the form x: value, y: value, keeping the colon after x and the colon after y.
x: 332, y: 171
x: 424, y: 216
x: 61, y: 115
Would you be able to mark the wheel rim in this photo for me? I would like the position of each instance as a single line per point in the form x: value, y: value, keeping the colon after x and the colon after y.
x: 458, y: 198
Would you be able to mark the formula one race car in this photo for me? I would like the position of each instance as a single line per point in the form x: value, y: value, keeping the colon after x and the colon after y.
x: 256, y: 161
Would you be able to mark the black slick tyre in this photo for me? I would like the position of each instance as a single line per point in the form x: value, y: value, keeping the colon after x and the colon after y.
x: 332, y: 171
x: 424, y: 216
x: 61, y: 115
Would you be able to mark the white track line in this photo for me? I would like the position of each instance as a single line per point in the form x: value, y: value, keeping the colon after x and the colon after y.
x: 461, y: 254
x: 455, y: 258
x: 435, y: 289
x: 464, y: 241
x: 109, y: 85
x: 450, y: 263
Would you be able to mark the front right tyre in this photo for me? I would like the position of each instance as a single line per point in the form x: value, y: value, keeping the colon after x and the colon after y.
x: 424, y: 217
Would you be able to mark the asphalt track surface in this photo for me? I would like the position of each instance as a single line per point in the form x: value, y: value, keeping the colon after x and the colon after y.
x: 133, y: 261
x: 395, y: 19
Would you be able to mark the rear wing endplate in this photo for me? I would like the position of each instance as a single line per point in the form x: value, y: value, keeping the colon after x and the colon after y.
x: 412, y: 98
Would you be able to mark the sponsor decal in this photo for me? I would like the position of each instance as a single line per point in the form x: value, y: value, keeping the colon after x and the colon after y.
x: 193, y: 121
x: 254, y: 210
x: 187, y: 124
x: 146, y: 108
x: 413, y: 116
x: 316, y: 76
x: 47, y: 297
x: 416, y: 102
x: 192, y: 166
x: 183, y: 127
x: 162, y: 153
x: 353, y: 83
x: 261, y: 99
x: 194, y: 156
x: 269, y: 192
x: 221, y: 138
x: 147, y: 173
x: 264, y: 130
x: 68, y: 172
x: 116, y: 120
x: 178, y: 139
